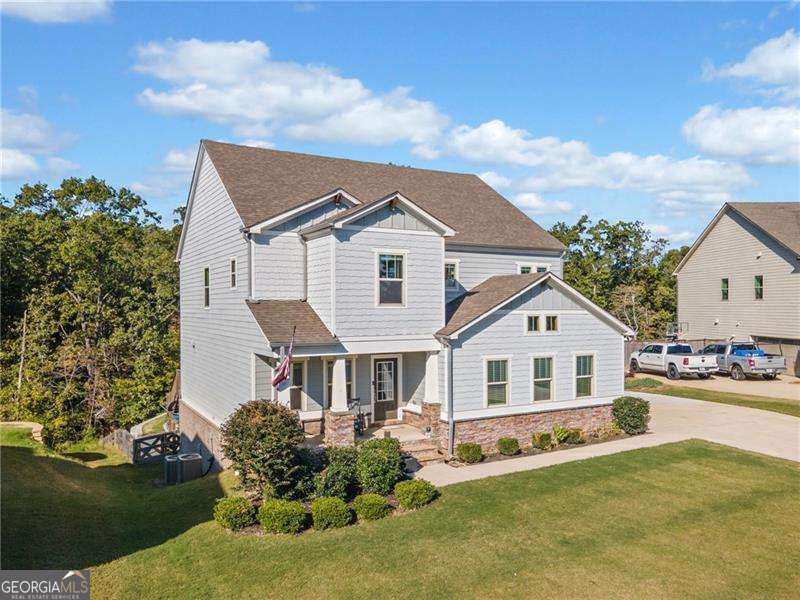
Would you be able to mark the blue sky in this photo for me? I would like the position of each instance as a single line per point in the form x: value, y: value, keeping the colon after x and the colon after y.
x: 657, y: 112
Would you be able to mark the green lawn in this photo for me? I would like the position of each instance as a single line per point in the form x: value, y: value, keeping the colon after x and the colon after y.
x: 780, y: 405
x: 156, y: 425
x: 689, y: 519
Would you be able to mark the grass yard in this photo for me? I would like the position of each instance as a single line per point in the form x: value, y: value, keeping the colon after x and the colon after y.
x: 779, y: 405
x: 156, y: 425
x: 689, y: 519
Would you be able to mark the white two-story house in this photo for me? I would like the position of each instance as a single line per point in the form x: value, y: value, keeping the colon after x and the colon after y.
x: 423, y: 294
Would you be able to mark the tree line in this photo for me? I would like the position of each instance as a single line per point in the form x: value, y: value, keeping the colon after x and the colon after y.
x: 90, y: 327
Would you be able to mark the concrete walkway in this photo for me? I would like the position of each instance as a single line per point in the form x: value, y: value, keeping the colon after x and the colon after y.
x: 672, y: 420
x: 36, y: 428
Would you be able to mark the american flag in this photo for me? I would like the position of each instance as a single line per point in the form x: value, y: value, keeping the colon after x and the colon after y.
x: 284, y: 368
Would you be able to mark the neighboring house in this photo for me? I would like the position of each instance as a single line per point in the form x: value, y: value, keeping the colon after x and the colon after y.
x: 425, y: 294
x: 741, y: 278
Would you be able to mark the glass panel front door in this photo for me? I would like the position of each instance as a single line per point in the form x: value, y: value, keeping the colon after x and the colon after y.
x: 385, y: 386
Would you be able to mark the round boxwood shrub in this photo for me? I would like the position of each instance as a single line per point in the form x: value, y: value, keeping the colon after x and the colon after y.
x: 328, y: 513
x: 371, y: 507
x: 379, y: 465
x: 631, y: 414
x: 338, y: 479
x: 234, y: 512
x: 261, y: 439
x: 282, y: 516
x: 469, y: 453
x: 415, y: 493
x: 542, y: 440
x: 508, y: 446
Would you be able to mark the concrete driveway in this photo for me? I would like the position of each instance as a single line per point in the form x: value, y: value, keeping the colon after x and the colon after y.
x: 672, y: 420
x: 785, y: 386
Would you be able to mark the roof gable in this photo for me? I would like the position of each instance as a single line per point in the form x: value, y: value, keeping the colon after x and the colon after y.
x: 779, y: 220
x: 263, y: 183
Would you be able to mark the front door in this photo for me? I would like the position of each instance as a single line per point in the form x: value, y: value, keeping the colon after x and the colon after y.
x: 385, y: 388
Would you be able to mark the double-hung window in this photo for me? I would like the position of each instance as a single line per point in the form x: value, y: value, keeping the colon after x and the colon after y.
x: 724, y: 288
x: 206, y: 287
x: 584, y: 375
x: 390, y: 279
x: 542, y: 378
x: 496, y: 382
x: 233, y: 272
x: 759, y: 287
x: 297, y: 386
x: 450, y: 275
x: 349, y: 366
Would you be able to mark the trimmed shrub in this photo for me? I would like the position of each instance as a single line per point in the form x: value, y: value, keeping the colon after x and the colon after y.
x: 310, y: 462
x: 282, y: 516
x: 234, y: 512
x: 508, y: 446
x: 261, y: 439
x: 576, y: 436
x: 469, y: 453
x: 542, y: 440
x: 338, y: 479
x: 379, y: 465
x: 560, y: 435
x: 631, y: 414
x: 328, y: 513
x: 371, y: 507
x: 415, y: 493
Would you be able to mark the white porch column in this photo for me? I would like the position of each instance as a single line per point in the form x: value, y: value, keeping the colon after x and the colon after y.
x: 432, y: 378
x: 339, y: 385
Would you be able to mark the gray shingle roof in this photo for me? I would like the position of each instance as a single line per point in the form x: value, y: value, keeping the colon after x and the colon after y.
x: 263, y: 183
x: 781, y: 220
x: 493, y: 292
x: 277, y: 318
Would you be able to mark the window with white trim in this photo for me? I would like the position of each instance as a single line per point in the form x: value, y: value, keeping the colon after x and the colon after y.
x: 450, y: 274
x: 584, y: 375
x: 525, y: 269
x: 349, y: 368
x: 233, y: 272
x: 542, y: 378
x: 390, y: 279
x: 532, y: 323
x: 297, y: 386
x: 206, y: 287
x: 496, y: 382
x: 551, y: 323
x: 759, y: 287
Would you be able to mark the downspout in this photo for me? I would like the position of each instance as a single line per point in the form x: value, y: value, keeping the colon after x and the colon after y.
x: 448, y: 379
x: 305, y: 267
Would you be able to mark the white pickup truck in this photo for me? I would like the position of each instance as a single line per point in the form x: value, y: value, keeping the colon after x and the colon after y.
x: 674, y: 360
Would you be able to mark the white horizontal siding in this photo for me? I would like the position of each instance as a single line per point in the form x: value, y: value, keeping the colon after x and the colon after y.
x: 476, y: 266
x: 319, y: 277
x: 503, y: 334
x: 736, y: 249
x: 278, y: 265
x: 216, y: 342
x: 355, y: 268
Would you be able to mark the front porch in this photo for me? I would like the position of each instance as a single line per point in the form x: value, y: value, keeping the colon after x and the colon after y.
x: 329, y: 391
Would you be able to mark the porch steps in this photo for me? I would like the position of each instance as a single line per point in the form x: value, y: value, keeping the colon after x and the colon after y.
x: 424, y: 452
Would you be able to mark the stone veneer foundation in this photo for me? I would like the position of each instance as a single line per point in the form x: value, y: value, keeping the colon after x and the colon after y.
x: 198, y: 434
x: 486, y: 431
x: 338, y: 429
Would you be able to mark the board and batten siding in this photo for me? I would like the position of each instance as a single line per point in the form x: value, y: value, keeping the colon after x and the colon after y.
x: 356, y: 313
x: 503, y: 334
x: 217, y: 343
x: 736, y: 249
x: 477, y: 265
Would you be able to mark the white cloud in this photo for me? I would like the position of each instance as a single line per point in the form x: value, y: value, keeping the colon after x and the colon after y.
x: 563, y: 165
x: 775, y: 63
x: 239, y: 84
x: 170, y: 176
x: 26, y: 136
x: 15, y: 163
x: 753, y: 135
x: 665, y: 231
x: 532, y: 203
x: 53, y: 11
x: 258, y: 143
x: 495, y: 179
